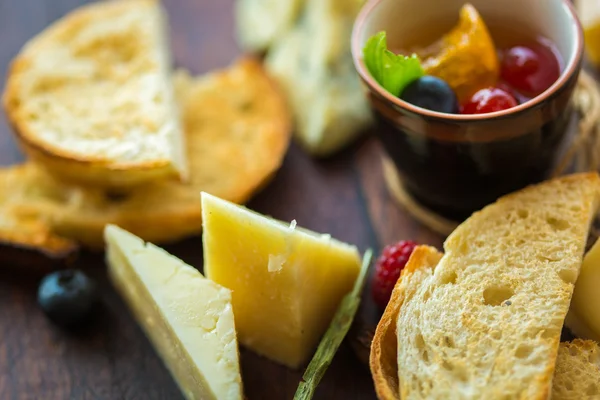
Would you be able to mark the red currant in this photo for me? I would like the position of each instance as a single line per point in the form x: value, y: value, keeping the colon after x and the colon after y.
x: 489, y: 100
x: 530, y: 69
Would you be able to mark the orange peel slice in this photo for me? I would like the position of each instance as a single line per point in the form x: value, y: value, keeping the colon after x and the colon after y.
x: 467, y: 59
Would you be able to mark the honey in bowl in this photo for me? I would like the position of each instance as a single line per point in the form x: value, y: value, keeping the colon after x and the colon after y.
x: 455, y: 150
x: 469, y: 70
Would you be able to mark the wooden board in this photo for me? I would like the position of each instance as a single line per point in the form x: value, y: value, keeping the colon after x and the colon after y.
x: 344, y: 196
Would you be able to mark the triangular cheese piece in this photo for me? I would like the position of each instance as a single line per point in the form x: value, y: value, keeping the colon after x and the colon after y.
x: 188, y: 318
x: 287, y: 282
x: 91, y: 97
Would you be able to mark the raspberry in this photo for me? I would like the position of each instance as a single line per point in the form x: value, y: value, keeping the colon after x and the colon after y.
x: 388, y: 268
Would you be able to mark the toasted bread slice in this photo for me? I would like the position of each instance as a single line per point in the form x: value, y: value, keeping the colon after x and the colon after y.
x: 90, y: 98
x: 33, y: 234
x: 238, y: 131
x: 30, y: 242
x: 485, y: 322
x: 384, y: 348
x: 21, y: 234
x: 577, y: 373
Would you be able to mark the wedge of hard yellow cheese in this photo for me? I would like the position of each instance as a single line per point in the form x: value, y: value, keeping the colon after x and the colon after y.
x: 589, y: 14
x: 584, y: 313
x: 188, y: 318
x: 286, y: 282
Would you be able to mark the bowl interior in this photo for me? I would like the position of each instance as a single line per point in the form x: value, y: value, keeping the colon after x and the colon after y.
x: 411, y: 23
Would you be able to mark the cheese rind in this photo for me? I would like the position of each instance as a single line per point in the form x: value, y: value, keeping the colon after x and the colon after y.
x: 286, y: 282
x: 188, y: 318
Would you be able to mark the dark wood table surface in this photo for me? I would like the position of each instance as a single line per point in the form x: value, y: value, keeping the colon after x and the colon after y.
x: 345, y: 196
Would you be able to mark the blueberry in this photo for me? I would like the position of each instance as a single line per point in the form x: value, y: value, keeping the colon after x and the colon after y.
x: 432, y: 94
x: 67, y: 297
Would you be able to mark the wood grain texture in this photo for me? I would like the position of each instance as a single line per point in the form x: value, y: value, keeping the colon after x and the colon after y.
x: 111, y: 359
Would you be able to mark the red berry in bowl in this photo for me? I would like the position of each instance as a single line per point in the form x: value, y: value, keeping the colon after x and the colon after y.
x: 520, y: 98
x: 489, y: 100
x: 387, y: 270
x: 530, y: 69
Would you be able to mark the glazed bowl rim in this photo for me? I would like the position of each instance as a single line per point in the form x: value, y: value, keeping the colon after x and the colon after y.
x: 571, y: 69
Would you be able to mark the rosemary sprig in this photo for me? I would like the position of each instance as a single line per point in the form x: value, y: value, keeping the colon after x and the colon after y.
x: 334, y: 336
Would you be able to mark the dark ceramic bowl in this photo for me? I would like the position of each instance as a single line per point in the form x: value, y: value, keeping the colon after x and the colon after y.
x: 456, y: 164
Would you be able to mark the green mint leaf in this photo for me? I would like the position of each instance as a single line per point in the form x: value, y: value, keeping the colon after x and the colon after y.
x: 334, y: 336
x: 392, y: 71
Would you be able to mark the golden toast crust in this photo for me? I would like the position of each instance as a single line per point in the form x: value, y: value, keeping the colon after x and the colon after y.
x: 39, y: 238
x: 86, y: 172
x: 383, y: 359
x: 238, y: 130
x: 20, y: 231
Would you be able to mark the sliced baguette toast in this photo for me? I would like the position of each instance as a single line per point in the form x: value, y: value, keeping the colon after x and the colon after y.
x: 485, y: 321
x: 28, y: 240
x: 384, y: 347
x: 90, y: 98
x: 577, y: 373
x: 238, y: 131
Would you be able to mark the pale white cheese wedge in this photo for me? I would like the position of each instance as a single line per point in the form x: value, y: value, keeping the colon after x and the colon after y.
x: 188, y: 318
